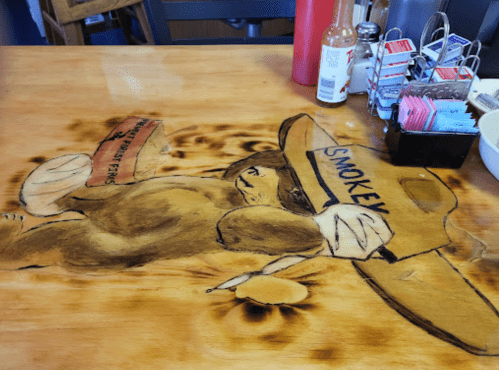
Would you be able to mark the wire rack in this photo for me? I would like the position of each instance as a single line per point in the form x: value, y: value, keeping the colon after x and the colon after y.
x: 417, y: 80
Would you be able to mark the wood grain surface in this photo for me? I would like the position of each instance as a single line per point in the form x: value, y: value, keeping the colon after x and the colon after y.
x: 218, y: 105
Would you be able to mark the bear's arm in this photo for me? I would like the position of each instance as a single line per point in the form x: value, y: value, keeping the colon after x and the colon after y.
x: 269, y: 230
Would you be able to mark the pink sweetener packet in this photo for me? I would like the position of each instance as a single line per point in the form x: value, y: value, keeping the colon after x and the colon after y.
x: 431, y: 113
x: 430, y: 126
x: 404, y: 111
x: 427, y: 113
x: 410, y: 112
x: 414, y: 113
x: 422, y: 115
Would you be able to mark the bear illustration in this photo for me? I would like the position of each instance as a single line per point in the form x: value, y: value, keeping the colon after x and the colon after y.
x: 256, y: 206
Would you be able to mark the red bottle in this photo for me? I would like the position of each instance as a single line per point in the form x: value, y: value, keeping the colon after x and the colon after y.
x: 312, y: 18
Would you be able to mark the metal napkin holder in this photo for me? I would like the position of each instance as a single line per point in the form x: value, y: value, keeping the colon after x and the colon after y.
x: 428, y: 148
x: 456, y: 89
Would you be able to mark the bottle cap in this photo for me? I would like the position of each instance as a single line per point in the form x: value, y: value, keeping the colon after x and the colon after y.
x: 368, y: 31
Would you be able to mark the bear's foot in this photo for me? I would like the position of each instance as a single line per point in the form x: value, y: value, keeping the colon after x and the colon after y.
x: 10, y: 226
x: 52, y: 181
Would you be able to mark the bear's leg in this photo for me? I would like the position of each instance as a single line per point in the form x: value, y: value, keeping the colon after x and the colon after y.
x: 73, y: 243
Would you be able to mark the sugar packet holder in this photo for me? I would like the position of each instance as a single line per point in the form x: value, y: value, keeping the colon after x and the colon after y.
x: 391, y: 59
x: 425, y: 68
x: 393, y: 52
x: 445, y: 73
x: 426, y: 114
x: 445, y: 82
x: 426, y: 148
x: 429, y: 148
x: 440, y: 55
x: 381, y: 78
x: 388, y: 68
x: 453, y: 49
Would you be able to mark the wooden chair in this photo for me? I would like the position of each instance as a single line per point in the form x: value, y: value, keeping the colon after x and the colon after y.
x: 64, y: 19
x: 251, y: 11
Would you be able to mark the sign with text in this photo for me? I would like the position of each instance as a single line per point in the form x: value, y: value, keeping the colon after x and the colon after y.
x: 414, y: 202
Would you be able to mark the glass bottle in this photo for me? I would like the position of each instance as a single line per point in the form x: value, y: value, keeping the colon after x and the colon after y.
x: 379, y: 13
x: 360, y: 8
x: 338, y: 41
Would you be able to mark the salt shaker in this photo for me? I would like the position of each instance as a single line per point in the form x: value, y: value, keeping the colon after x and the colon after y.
x: 367, y: 33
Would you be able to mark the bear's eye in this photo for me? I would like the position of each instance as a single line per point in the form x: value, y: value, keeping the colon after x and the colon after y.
x: 253, y: 171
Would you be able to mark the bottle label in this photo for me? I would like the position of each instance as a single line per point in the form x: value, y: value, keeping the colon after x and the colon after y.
x: 334, y: 74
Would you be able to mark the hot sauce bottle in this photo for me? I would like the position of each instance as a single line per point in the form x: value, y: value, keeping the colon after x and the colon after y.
x: 338, y: 42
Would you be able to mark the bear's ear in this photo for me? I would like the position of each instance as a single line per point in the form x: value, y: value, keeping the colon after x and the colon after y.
x: 269, y: 158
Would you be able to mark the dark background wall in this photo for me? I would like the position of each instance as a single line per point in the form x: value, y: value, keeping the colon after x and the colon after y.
x: 17, y: 26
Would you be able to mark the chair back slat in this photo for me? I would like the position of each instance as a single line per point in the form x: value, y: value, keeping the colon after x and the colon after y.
x: 63, y: 19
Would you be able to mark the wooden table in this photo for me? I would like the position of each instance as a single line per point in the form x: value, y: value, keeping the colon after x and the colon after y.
x: 218, y: 105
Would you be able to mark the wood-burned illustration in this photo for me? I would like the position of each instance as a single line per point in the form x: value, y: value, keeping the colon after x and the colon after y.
x: 309, y: 199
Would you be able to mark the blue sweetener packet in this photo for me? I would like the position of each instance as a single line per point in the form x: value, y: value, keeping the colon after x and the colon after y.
x: 461, y: 122
x: 450, y: 106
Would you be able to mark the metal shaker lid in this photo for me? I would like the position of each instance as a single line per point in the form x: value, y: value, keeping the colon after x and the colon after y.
x: 368, y: 31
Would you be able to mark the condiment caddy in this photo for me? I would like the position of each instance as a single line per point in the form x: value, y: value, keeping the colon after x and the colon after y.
x: 431, y: 88
x: 398, y: 67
